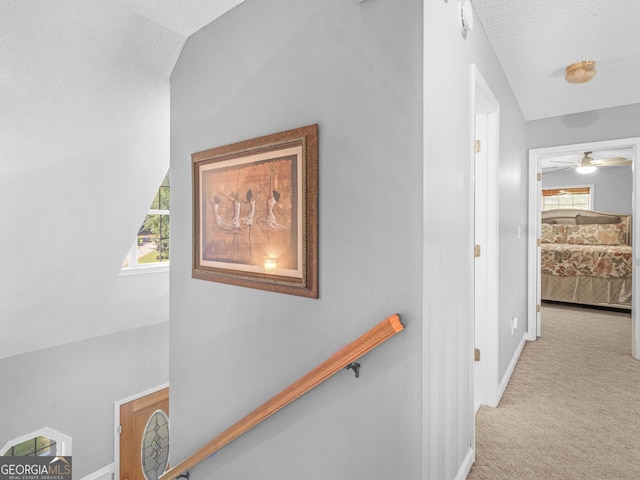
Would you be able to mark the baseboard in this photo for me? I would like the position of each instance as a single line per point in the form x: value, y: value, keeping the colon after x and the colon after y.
x: 465, y: 468
x: 105, y: 473
x: 512, y: 365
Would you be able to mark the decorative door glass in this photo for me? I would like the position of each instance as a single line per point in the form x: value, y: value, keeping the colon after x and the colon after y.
x: 155, y: 446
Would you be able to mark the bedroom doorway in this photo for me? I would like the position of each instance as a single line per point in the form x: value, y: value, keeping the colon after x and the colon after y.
x: 536, y: 156
x: 486, y: 128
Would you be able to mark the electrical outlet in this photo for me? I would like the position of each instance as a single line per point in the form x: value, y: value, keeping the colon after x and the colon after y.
x: 514, y: 324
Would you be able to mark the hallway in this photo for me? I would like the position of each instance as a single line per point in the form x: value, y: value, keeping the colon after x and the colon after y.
x: 572, y: 407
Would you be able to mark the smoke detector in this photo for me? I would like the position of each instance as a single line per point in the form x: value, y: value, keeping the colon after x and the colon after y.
x: 465, y: 16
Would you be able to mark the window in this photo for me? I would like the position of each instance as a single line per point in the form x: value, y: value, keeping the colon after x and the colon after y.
x: 568, y: 197
x: 43, y: 443
x: 151, y: 246
x: 34, y: 447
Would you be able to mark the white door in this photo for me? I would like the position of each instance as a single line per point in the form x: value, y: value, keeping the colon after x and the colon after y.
x: 485, y: 167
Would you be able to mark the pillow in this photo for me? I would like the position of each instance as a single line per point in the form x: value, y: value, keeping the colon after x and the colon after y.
x: 600, y: 219
x: 550, y: 221
x: 596, y: 234
x: 554, y: 233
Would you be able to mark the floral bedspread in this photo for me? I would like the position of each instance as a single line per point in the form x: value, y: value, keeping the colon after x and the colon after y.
x: 591, y: 260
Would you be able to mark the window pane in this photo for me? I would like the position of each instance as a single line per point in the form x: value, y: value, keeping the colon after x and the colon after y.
x: 162, y: 198
x: 39, y: 446
x: 153, y: 239
x: 24, y: 449
x: 45, y: 447
x: 570, y: 197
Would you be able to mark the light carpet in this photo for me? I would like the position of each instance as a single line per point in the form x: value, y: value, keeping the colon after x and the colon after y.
x: 572, y: 407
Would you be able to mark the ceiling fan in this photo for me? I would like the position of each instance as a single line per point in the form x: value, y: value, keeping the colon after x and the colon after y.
x: 588, y: 164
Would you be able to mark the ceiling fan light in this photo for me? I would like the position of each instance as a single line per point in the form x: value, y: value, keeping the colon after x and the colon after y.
x: 580, y: 72
x: 586, y: 169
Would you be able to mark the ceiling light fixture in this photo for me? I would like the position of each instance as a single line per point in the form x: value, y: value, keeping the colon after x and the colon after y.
x: 587, y: 169
x: 585, y: 165
x: 580, y: 72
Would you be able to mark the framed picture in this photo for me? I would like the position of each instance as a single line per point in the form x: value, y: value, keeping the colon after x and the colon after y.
x: 255, y: 213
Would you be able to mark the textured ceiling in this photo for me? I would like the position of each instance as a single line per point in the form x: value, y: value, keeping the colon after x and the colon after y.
x: 78, y: 72
x: 536, y: 39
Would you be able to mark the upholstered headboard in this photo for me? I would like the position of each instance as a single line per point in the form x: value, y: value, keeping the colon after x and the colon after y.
x: 585, y: 217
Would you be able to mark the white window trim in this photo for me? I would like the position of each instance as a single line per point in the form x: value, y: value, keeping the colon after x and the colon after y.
x: 63, y: 442
x: 134, y: 267
x: 143, y: 270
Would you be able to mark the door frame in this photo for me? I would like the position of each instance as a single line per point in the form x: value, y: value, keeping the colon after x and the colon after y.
x: 485, y: 104
x: 116, y: 425
x: 534, y: 328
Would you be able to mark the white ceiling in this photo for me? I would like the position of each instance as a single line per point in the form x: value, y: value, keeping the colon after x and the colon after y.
x: 536, y: 39
x: 84, y: 143
x: 77, y: 72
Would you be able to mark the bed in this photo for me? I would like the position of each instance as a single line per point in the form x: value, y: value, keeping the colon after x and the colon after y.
x: 586, y: 258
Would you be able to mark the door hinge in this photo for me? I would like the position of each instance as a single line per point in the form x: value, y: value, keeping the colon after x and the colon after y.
x: 476, y: 250
x: 119, y: 429
x: 539, y: 176
x: 477, y: 146
x: 476, y: 354
x: 538, y: 308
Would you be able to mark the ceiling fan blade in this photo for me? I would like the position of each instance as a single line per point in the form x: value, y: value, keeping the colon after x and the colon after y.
x: 604, y: 162
x: 555, y: 170
x: 558, y: 161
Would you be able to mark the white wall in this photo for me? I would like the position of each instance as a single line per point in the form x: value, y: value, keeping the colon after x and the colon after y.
x: 74, y: 336
x: 612, y: 186
x: 356, y: 70
x: 66, y: 230
x: 448, y: 233
x: 73, y: 388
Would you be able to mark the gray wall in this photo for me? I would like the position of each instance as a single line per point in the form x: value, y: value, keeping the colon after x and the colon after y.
x: 73, y: 388
x: 356, y: 70
x: 607, y: 124
x: 612, y: 186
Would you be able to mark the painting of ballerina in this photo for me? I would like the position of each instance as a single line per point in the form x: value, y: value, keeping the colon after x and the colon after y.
x: 253, y: 204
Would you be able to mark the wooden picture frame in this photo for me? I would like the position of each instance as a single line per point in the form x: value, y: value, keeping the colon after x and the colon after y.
x: 255, y: 213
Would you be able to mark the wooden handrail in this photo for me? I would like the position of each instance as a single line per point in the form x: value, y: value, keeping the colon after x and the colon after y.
x: 339, y: 360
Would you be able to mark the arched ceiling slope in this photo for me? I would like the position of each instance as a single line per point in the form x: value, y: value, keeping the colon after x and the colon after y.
x: 84, y: 143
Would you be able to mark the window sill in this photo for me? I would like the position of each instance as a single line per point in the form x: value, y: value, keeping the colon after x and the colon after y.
x: 125, y: 272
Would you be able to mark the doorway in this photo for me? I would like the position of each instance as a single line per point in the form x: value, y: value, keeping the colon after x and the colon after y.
x: 485, y: 167
x: 142, y: 434
x: 535, y: 209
